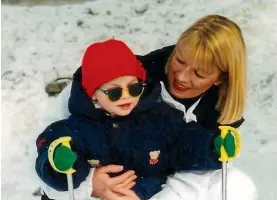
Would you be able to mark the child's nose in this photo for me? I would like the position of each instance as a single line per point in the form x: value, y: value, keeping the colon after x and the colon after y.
x: 125, y: 93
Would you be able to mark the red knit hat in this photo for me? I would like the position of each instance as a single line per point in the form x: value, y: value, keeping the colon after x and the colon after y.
x: 104, y: 61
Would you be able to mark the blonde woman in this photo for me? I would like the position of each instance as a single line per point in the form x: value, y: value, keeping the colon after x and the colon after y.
x: 204, y: 75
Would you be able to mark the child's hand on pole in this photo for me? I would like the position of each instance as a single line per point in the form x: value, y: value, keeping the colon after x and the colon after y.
x: 61, y: 159
x: 64, y: 158
x: 60, y: 155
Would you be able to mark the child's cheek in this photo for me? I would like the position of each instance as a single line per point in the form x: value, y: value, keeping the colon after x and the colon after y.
x: 136, y: 101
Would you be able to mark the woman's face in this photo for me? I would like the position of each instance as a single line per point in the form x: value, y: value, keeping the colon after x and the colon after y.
x: 184, y: 80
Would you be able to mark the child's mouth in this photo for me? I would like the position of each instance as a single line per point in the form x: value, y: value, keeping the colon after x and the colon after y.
x: 125, y: 106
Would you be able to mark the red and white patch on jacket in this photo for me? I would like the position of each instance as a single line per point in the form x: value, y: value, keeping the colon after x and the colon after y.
x: 154, y: 157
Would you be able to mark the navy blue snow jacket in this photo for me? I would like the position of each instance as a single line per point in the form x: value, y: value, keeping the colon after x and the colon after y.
x: 153, y: 140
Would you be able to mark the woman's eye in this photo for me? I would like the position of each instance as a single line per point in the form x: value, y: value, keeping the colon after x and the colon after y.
x: 179, y: 61
x: 198, y: 75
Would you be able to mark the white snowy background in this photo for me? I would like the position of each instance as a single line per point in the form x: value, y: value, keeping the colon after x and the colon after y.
x: 42, y: 43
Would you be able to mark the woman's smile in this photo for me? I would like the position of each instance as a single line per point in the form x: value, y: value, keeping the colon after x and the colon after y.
x: 179, y: 87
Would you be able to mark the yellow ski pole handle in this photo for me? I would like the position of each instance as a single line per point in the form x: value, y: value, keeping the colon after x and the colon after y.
x: 223, y: 154
x: 65, y: 142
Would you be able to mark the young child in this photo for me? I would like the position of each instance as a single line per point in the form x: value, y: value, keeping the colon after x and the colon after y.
x: 117, y: 118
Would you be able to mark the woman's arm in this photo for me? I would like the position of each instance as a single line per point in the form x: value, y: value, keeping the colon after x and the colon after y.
x: 121, y: 194
x: 195, y: 147
x: 108, y: 188
x: 147, y: 187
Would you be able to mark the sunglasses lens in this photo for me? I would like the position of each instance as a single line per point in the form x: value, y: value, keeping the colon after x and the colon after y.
x: 135, y: 89
x: 114, y: 94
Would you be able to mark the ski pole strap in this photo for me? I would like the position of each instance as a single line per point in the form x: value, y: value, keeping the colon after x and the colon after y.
x: 64, y: 141
x: 226, y: 131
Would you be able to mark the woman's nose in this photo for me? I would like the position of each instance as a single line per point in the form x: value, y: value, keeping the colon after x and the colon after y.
x: 184, y: 75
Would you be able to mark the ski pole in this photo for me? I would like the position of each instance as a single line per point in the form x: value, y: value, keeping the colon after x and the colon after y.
x: 65, y: 142
x: 225, y: 157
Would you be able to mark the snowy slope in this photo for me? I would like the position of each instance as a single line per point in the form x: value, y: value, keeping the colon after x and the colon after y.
x: 42, y: 43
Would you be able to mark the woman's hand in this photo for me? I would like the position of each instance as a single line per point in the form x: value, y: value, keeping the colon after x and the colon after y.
x: 103, y: 183
x: 120, y: 194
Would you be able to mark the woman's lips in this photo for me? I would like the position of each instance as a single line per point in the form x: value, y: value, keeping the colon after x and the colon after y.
x: 179, y: 87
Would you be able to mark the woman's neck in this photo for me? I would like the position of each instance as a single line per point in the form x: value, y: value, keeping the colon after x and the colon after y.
x: 187, y: 102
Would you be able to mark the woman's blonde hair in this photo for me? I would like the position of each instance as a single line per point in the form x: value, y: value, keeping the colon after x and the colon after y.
x: 215, y: 41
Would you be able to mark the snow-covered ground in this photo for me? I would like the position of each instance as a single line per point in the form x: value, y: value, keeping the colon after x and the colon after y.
x: 42, y: 43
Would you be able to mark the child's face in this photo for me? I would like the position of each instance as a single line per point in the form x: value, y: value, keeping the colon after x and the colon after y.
x: 125, y: 104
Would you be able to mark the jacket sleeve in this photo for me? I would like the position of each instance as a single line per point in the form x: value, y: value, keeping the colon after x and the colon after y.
x: 194, y: 149
x: 155, y: 61
x: 44, y: 170
x: 147, y: 187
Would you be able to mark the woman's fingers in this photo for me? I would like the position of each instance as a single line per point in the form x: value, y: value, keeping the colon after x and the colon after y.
x: 110, y: 169
x: 102, y: 183
x: 110, y: 195
x: 130, y: 185
x: 122, y: 178
x: 126, y: 193
x: 127, y: 182
x: 120, y: 194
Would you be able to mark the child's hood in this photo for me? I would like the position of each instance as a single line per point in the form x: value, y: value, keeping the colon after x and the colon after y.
x: 81, y: 105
